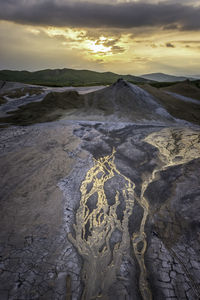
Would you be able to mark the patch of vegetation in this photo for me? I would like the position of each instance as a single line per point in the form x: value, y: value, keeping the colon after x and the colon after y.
x: 167, y: 84
x: 163, y: 84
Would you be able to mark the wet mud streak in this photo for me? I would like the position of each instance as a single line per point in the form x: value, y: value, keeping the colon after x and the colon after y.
x: 140, y: 244
x: 176, y: 147
x: 97, y: 219
x: 94, y: 228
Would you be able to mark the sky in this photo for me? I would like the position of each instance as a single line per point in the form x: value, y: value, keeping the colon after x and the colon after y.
x: 126, y: 37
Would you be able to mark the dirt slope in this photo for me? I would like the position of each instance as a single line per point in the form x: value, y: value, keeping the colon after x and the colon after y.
x: 177, y: 108
x: 185, y: 88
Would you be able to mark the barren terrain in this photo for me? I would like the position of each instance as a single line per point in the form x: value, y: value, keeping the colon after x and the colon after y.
x: 103, y: 201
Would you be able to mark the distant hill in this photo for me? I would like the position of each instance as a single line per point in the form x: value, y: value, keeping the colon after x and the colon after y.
x: 196, y: 76
x: 66, y: 77
x: 161, y: 77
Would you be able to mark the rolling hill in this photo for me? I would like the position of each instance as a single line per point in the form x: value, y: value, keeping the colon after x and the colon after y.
x: 66, y: 77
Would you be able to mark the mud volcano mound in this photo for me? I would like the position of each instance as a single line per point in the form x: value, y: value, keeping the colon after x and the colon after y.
x: 122, y: 101
x: 51, y: 108
x: 127, y: 102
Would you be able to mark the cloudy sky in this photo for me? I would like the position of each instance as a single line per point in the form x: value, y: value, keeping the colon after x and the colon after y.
x: 134, y: 37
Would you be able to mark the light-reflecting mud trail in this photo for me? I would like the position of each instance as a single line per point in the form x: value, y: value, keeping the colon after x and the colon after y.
x: 101, y: 232
x: 97, y: 221
x: 175, y: 147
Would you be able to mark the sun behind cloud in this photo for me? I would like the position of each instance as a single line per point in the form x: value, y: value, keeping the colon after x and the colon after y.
x: 98, y: 46
x: 133, y: 37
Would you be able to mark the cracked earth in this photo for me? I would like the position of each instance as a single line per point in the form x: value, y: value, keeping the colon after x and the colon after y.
x: 98, y: 211
x: 104, y: 209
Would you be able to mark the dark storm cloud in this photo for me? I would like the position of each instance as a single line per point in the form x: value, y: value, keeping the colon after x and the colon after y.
x: 87, y: 14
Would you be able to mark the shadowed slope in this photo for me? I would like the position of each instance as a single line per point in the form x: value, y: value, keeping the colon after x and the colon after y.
x: 179, y: 109
x: 186, y: 89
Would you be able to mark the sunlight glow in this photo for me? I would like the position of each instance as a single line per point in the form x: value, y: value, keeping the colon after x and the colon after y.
x: 98, y: 48
x: 124, y: 52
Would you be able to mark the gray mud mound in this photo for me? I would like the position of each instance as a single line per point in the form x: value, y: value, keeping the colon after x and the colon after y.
x: 121, y: 101
x: 51, y: 108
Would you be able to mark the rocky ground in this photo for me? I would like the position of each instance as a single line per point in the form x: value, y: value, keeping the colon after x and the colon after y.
x: 101, y: 209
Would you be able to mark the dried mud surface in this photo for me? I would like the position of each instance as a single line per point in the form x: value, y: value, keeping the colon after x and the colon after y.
x: 106, y: 208
x: 99, y: 211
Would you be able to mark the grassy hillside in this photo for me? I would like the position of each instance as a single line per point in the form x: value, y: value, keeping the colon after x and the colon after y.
x: 65, y: 77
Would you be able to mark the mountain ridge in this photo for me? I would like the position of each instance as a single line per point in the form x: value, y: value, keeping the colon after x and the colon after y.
x: 66, y: 77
